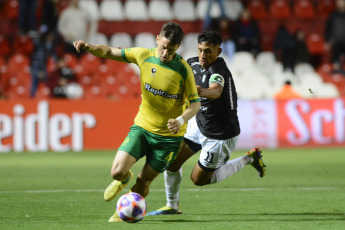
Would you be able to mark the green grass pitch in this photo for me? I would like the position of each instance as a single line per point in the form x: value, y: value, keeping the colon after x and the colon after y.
x: 303, y: 189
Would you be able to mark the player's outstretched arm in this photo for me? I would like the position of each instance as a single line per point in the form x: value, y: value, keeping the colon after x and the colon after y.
x: 102, y: 51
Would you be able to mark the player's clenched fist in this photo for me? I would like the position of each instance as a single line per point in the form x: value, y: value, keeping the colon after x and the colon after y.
x: 80, y: 44
x: 173, y: 126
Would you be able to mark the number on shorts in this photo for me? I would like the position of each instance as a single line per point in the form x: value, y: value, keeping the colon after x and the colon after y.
x: 209, y: 157
x: 169, y: 157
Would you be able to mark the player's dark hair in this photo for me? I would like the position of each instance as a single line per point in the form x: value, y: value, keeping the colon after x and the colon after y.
x: 210, y: 36
x: 173, y: 32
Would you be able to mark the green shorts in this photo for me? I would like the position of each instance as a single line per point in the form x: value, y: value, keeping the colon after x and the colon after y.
x: 160, y: 151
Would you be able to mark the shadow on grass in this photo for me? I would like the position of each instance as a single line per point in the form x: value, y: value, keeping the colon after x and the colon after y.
x: 199, y: 218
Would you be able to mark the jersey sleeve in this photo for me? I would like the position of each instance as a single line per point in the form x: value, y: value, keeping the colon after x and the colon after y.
x: 190, y: 87
x: 134, y: 55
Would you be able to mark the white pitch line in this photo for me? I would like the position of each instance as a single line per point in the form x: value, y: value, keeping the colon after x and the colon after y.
x: 187, y: 190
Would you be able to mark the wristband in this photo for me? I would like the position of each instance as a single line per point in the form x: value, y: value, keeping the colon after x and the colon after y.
x: 180, y: 119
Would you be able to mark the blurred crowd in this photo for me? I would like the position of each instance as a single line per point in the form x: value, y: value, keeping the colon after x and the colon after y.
x: 54, y: 66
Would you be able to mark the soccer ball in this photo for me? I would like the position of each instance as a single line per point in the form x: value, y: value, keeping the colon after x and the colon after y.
x: 131, y: 207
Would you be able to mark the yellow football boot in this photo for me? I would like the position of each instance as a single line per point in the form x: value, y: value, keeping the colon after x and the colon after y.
x: 116, y: 187
x: 257, y: 163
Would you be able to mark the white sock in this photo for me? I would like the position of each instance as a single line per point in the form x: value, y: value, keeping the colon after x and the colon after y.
x: 230, y: 168
x: 172, y: 187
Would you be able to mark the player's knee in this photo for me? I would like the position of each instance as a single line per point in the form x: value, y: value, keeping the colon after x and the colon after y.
x: 198, y: 181
x: 117, y: 173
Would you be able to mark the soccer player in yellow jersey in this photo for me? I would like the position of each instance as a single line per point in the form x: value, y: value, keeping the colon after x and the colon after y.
x: 167, y: 83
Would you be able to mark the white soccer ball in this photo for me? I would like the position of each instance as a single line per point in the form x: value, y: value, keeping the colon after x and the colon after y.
x: 131, y: 207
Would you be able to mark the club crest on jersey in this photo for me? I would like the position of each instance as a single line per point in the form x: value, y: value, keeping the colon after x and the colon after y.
x: 153, y: 71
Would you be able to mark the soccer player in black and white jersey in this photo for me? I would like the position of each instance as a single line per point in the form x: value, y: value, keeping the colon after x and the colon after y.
x: 214, y: 130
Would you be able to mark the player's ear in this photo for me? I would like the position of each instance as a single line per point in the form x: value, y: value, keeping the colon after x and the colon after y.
x: 157, y: 39
x: 219, y: 51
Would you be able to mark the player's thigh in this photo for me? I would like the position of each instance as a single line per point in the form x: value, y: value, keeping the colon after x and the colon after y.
x: 136, y: 143
x: 164, y: 151
x: 131, y: 150
x: 122, y: 163
x: 184, y: 154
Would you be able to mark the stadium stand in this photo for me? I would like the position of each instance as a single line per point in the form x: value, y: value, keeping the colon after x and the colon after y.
x: 280, y: 9
x: 112, y: 10
x: 136, y: 10
x: 5, y: 48
x: 23, y: 44
x: 233, y: 9
x: 304, y: 9
x: 201, y: 9
x: 99, y: 38
x: 257, y: 9
x: 145, y: 39
x: 121, y: 40
x: 184, y: 10
x: 324, y: 8
x: 160, y: 10
x: 136, y: 22
x: 92, y: 7
x: 11, y: 9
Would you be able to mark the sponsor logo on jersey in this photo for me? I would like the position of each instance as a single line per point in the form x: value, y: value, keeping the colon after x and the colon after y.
x: 194, y: 63
x: 161, y: 93
x: 203, y: 108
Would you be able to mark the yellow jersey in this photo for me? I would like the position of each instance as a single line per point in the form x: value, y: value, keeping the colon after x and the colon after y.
x: 165, y: 89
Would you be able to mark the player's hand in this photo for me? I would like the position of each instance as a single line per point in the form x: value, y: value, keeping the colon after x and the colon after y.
x: 198, y: 87
x: 173, y: 126
x: 80, y: 44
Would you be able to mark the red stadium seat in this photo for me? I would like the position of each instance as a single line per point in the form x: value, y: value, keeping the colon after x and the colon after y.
x: 315, y: 44
x: 11, y: 9
x: 257, y: 9
x: 129, y: 86
x: 90, y: 63
x: 23, y: 44
x: 325, y: 71
x: 115, y: 66
x: 94, y: 92
x: 280, y: 9
x: 51, y: 64
x: 87, y: 81
x: 42, y: 92
x: 325, y: 7
x: 71, y: 60
x: 2, y: 63
x: 304, y: 9
x: 109, y: 85
x: 18, y: 63
x: 3, y: 75
x: 5, y: 48
x: 18, y: 86
x: 18, y: 92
